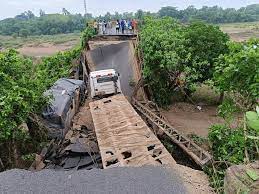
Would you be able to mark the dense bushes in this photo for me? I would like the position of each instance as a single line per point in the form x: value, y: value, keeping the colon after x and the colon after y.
x: 20, y: 92
x: 236, y: 141
x: 87, y: 34
x: 204, y: 43
x: 229, y: 144
x: 23, y: 83
x: 213, y: 14
x: 57, y: 66
x: 162, y: 46
x: 22, y: 86
x: 179, y: 56
x: 237, y: 74
x: 45, y: 25
x: 233, y: 143
x: 238, y: 71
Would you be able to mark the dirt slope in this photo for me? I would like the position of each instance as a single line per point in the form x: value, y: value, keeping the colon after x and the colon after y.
x: 186, y: 118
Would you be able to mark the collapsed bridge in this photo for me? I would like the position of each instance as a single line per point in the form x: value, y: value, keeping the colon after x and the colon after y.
x: 114, y: 118
x: 124, y: 138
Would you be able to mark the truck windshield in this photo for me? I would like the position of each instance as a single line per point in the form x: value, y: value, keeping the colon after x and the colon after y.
x: 104, y: 79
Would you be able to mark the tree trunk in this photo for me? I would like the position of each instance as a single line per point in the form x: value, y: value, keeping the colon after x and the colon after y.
x: 221, y: 97
x: 15, y: 154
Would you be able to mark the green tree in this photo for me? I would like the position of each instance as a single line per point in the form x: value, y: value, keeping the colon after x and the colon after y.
x: 238, y: 70
x: 14, y: 35
x: 29, y: 14
x: 204, y: 44
x: 42, y: 13
x: 162, y: 44
x: 24, y: 33
x: 168, y: 11
x: 117, y: 16
x: 108, y: 16
x: 178, y: 56
x: 65, y: 11
x: 139, y: 14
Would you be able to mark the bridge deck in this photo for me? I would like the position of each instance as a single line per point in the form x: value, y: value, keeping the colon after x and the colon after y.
x: 111, y: 37
x: 124, y: 138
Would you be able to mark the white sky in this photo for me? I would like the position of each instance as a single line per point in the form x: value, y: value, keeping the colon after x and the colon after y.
x: 10, y: 8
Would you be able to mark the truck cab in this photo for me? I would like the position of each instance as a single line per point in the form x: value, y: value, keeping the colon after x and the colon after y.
x: 104, y: 83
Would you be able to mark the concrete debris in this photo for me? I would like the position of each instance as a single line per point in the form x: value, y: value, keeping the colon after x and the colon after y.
x: 79, y: 150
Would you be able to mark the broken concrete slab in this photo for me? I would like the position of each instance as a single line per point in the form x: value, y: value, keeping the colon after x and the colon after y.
x: 71, y: 162
x: 83, y: 145
x: 79, y: 150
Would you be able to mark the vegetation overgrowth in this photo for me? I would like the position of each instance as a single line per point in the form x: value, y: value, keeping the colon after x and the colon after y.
x: 238, y: 71
x: 236, y: 142
x: 27, y: 24
x: 23, y: 84
x: 213, y: 14
x: 180, y: 57
x: 177, y: 56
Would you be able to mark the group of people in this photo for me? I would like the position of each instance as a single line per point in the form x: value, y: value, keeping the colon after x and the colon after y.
x: 128, y: 26
x: 122, y: 26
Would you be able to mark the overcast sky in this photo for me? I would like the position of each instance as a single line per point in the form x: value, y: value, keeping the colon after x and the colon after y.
x: 10, y: 8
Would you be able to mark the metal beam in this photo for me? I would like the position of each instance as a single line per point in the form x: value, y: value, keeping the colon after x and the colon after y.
x: 198, y: 154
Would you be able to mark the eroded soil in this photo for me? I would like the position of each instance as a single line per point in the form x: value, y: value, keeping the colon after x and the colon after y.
x: 186, y: 118
x: 45, y: 49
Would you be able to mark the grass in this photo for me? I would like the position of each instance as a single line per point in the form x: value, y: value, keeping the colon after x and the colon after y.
x: 247, y: 25
x: 11, y: 42
x: 206, y: 94
x: 241, y: 31
x: 198, y: 139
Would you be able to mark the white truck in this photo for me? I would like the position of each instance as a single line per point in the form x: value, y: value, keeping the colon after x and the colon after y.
x: 104, y: 83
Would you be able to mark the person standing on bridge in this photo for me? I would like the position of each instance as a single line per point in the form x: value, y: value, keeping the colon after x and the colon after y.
x: 109, y: 27
x: 122, y: 26
x: 130, y: 26
x: 100, y: 27
x: 95, y: 27
x: 134, y: 25
x: 126, y: 26
x: 118, y: 27
x: 104, y: 27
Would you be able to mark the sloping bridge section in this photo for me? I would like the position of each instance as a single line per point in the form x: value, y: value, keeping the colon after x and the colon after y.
x: 117, y: 135
x: 124, y: 138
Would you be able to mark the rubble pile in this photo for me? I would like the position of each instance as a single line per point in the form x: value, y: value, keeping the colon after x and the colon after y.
x: 79, y: 150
